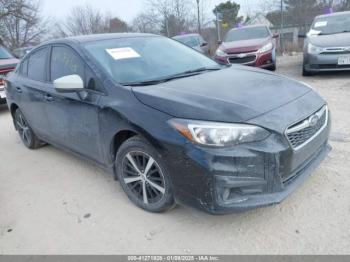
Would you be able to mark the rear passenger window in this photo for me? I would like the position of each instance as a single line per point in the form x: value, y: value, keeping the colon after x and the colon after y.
x: 37, y: 65
x: 65, y: 62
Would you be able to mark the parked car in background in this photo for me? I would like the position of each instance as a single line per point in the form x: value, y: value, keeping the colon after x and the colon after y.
x: 7, y: 64
x: 327, y: 46
x: 173, y: 125
x: 195, y: 41
x: 21, y: 52
x: 249, y: 45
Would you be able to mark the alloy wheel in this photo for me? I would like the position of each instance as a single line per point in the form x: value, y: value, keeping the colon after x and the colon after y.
x: 143, y: 177
x: 24, y: 130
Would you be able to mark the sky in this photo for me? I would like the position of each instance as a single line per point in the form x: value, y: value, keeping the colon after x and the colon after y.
x: 124, y: 9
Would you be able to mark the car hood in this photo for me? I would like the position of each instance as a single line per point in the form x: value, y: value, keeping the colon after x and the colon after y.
x: 198, y: 48
x: 234, y: 94
x: 243, y: 46
x: 8, y: 63
x: 337, y: 40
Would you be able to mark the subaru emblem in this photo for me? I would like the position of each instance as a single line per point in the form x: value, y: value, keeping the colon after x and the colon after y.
x: 313, y: 120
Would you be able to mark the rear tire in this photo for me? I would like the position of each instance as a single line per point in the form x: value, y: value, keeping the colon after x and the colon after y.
x: 143, y: 176
x: 25, y: 132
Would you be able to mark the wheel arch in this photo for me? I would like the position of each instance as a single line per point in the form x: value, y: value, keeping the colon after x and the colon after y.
x: 126, y: 133
x: 13, y: 109
x: 119, y: 138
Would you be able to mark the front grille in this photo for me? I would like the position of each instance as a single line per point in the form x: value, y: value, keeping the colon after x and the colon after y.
x: 242, y: 60
x: 303, y: 131
x: 335, y: 53
x: 332, y: 66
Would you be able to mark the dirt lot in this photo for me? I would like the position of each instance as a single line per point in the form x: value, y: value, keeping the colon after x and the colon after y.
x: 54, y: 203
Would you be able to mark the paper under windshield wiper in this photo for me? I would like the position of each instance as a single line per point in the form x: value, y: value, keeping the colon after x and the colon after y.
x: 168, y: 78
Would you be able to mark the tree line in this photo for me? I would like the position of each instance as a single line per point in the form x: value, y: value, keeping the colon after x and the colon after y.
x: 22, y: 22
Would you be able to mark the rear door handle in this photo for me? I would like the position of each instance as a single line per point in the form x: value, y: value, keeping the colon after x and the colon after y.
x: 19, y: 90
x: 48, y: 98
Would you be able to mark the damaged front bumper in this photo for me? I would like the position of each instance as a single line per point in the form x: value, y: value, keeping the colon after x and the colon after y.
x: 243, y: 194
x: 228, y: 180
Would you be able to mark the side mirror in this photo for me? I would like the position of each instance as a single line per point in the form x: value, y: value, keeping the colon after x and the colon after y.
x: 302, y: 35
x: 204, y: 44
x: 219, y: 42
x: 276, y: 35
x: 69, y: 84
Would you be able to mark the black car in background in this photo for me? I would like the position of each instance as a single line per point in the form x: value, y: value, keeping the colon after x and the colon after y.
x: 172, y: 125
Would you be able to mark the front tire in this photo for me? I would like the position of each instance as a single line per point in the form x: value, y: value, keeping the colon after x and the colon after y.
x: 143, y: 176
x: 306, y: 72
x: 273, y: 68
x: 25, y: 132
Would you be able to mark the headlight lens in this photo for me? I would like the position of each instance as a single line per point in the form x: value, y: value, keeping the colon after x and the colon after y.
x: 219, y: 52
x: 314, y: 50
x: 218, y: 134
x: 266, y: 48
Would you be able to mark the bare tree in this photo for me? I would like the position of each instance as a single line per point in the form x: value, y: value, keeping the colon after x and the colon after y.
x: 23, y: 25
x: 85, y: 20
x: 145, y: 23
x: 13, y: 7
x: 168, y: 17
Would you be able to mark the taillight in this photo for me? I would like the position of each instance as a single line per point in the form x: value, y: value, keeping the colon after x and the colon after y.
x: 3, y: 74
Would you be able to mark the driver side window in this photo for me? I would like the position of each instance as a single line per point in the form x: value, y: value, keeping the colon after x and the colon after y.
x: 65, y: 62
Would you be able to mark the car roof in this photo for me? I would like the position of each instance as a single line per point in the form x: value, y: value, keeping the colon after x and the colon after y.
x: 334, y: 14
x: 184, y: 36
x: 98, y: 37
x: 249, y: 26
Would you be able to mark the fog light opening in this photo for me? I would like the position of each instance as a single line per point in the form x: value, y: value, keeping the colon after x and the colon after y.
x: 233, y: 196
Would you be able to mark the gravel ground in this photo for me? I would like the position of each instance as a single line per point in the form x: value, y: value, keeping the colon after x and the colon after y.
x: 54, y: 203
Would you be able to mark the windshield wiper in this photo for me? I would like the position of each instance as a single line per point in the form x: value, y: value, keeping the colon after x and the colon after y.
x: 335, y: 33
x: 176, y: 76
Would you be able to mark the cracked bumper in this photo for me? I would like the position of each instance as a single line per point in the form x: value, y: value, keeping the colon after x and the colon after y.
x: 248, y: 176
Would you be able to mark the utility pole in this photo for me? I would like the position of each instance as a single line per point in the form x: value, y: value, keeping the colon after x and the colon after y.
x: 199, y: 19
x: 282, y: 28
x: 218, y: 25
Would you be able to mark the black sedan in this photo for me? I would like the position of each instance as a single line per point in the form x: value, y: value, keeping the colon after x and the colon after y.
x: 172, y: 125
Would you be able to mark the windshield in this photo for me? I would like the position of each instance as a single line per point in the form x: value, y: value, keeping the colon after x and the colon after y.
x: 141, y: 59
x: 191, y: 41
x: 247, y: 34
x: 4, y: 54
x: 331, y: 25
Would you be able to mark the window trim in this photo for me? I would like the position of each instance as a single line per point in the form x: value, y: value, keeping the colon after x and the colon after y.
x: 24, y: 74
x: 52, y: 46
x: 45, y: 66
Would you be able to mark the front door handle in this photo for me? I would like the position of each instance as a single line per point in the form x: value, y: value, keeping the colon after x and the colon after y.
x: 19, y: 90
x: 48, y: 98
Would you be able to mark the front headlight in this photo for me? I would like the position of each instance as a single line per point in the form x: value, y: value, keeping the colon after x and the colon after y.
x: 266, y: 48
x: 218, y: 134
x: 314, y: 50
x: 219, y: 52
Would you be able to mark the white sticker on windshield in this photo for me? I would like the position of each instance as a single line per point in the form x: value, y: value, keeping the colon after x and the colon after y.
x: 321, y: 24
x: 122, y: 53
